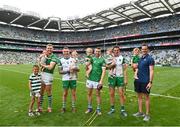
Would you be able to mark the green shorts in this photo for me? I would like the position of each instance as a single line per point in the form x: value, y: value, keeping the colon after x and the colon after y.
x: 69, y: 84
x: 116, y: 81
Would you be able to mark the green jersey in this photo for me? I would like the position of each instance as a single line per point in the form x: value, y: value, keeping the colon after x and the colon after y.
x: 88, y: 59
x: 96, y: 72
x: 51, y: 58
x: 135, y: 59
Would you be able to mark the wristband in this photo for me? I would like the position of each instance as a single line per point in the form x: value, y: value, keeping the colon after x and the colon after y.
x: 150, y: 82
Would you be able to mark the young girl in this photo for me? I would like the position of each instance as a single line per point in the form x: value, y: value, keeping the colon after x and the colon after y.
x: 134, y: 61
x: 42, y: 59
x: 88, y: 59
x: 74, y: 63
x: 34, y: 87
x: 111, y: 61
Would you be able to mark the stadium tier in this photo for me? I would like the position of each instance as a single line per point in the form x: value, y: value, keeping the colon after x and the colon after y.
x: 159, y: 32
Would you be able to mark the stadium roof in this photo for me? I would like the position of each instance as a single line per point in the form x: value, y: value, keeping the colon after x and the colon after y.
x: 122, y: 14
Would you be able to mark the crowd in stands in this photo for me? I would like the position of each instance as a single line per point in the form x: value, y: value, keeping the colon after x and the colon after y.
x: 166, y: 57
x: 153, y: 43
x: 161, y: 57
x: 10, y: 57
x: 164, y: 24
x: 155, y: 25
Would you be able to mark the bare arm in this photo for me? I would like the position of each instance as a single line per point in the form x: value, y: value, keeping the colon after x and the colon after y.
x: 30, y: 85
x: 50, y: 67
x: 125, y: 74
x: 151, y: 76
x: 102, y: 75
x: 151, y: 73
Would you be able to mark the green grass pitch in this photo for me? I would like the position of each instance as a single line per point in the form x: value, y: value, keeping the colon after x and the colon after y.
x: 14, y: 101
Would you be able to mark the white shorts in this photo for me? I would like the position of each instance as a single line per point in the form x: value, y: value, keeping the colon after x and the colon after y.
x: 36, y: 94
x: 91, y: 84
x: 47, y: 78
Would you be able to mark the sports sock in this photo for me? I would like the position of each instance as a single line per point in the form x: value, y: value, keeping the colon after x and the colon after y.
x: 122, y: 108
x: 73, y: 104
x: 89, y: 105
x: 63, y: 104
x: 50, y: 101
x: 41, y: 100
x: 112, y: 107
x: 98, y: 107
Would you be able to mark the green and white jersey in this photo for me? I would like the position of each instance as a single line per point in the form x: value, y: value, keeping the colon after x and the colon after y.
x: 66, y: 63
x: 120, y: 61
x: 51, y: 58
x: 35, y: 82
x: 96, y: 72
x: 108, y: 59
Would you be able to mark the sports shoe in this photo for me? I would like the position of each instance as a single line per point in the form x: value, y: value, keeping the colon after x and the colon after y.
x: 138, y: 114
x: 49, y: 110
x: 89, y: 110
x: 40, y: 110
x: 146, y: 118
x: 123, y: 113
x: 73, y: 110
x: 111, y: 111
x: 37, y: 113
x: 63, y: 110
x: 31, y: 114
x: 98, y: 112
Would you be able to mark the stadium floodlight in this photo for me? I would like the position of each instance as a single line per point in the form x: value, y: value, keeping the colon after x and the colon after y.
x: 11, y: 8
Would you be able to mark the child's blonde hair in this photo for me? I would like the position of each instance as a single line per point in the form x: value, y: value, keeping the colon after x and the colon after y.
x: 89, y: 51
x: 136, y: 50
x: 109, y: 51
x: 74, y: 53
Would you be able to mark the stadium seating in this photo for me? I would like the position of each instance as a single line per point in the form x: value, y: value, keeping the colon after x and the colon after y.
x: 170, y: 23
x: 168, y: 56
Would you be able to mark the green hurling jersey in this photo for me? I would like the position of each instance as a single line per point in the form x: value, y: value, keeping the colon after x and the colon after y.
x: 51, y: 58
x: 96, y: 72
x: 135, y: 59
x: 89, y: 59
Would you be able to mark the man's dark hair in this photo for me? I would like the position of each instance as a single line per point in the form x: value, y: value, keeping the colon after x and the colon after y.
x: 98, y: 48
x: 116, y: 47
x: 66, y: 47
x: 144, y: 44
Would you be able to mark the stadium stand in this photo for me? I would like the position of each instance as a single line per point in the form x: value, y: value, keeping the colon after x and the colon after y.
x: 160, y: 33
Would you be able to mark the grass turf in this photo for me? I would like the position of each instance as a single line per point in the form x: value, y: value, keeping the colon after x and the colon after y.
x: 14, y: 101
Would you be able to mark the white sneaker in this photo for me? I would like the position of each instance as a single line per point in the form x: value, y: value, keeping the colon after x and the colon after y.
x: 98, y: 112
x: 146, y: 118
x: 139, y: 114
x: 37, y: 113
x: 30, y: 114
x: 123, y: 113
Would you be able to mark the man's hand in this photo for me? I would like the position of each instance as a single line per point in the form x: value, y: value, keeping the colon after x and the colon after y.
x: 148, y: 87
x: 99, y: 87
